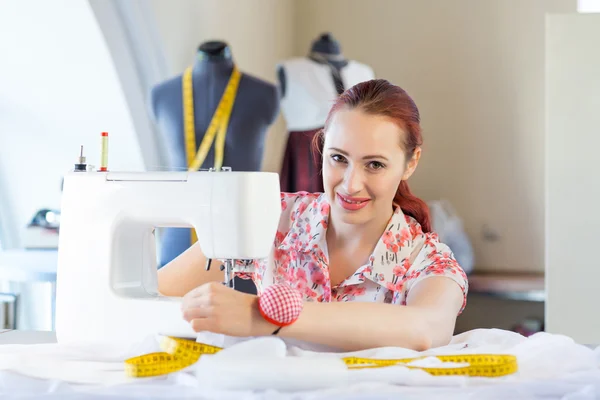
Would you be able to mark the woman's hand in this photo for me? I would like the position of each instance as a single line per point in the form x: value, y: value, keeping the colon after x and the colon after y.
x: 217, y: 308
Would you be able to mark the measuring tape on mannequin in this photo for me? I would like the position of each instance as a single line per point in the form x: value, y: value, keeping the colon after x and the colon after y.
x: 179, y: 354
x: 217, y: 127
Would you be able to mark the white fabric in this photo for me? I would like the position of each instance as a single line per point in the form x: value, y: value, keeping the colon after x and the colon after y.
x: 543, y: 356
x: 550, y: 366
x: 310, y: 90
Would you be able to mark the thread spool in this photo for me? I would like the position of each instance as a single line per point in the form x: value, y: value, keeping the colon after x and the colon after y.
x: 104, y: 153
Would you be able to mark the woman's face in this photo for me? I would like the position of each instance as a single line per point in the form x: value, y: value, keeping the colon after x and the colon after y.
x: 363, y: 164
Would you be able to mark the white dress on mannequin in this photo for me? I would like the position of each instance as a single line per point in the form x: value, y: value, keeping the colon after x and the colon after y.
x: 310, y: 92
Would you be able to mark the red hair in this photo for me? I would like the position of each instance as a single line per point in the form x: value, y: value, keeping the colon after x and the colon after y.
x: 379, y: 97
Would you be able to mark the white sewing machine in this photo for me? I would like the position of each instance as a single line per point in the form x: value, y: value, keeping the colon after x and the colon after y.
x: 107, y: 269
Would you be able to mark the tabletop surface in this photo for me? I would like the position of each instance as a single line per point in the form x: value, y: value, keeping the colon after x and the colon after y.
x: 26, y: 337
x: 518, y: 286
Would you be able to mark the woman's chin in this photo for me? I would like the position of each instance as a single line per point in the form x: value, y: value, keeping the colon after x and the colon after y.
x: 353, y: 216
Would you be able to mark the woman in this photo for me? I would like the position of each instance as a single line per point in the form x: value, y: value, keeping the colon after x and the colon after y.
x: 362, y: 253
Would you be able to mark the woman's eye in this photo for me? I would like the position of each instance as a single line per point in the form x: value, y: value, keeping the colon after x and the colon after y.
x: 338, y: 158
x: 376, y: 165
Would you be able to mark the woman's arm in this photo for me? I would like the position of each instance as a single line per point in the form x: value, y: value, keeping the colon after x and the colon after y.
x: 426, y: 321
x: 187, y: 271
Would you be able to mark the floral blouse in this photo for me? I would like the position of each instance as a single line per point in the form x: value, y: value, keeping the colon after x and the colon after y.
x: 403, y: 257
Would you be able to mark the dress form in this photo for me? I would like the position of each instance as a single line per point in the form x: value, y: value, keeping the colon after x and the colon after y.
x: 309, y: 86
x: 255, y: 109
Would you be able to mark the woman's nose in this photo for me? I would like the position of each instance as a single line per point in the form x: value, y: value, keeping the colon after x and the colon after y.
x: 353, y: 180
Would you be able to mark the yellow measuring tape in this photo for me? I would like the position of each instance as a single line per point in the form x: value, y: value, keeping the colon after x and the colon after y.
x: 179, y: 354
x: 217, y: 127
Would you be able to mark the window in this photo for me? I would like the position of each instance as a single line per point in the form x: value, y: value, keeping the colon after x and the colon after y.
x: 61, y: 87
x: 588, y: 6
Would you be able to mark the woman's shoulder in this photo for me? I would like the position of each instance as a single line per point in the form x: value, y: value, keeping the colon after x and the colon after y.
x: 301, y: 208
x: 299, y: 201
x: 429, y: 240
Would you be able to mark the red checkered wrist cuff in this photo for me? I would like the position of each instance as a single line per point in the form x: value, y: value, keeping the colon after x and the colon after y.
x: 280, y: 305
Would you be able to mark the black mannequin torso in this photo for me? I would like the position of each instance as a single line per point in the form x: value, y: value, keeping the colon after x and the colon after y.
x: 255, y: 108
x: 325, y: 46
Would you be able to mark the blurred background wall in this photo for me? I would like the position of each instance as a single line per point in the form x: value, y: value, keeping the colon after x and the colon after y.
x: 475, y: 69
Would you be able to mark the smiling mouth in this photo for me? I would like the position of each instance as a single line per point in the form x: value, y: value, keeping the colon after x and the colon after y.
x: 352, y: 200
x: 352, y: 203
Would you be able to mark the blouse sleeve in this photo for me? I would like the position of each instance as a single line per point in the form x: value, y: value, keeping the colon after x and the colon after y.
x: 436, y: 259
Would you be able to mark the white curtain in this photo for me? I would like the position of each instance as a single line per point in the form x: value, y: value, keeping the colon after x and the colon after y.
x: 132, y: 37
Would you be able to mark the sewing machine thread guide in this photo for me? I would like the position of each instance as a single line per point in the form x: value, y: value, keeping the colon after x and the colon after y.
x: 81, y: 162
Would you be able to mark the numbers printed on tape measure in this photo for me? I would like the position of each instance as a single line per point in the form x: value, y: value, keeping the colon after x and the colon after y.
x: 179, y: 354
x: 186, y: 348
x: 483, y: 365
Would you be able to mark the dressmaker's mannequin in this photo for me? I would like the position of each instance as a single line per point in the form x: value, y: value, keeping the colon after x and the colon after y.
x: 255, y: 109
x: 324, y: 48
x: 309, y: 86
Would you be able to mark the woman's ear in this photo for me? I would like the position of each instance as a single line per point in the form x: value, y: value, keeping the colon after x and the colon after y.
x: 412, y: 164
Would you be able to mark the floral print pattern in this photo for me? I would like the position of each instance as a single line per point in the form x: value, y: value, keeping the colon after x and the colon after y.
x: 403, y: 256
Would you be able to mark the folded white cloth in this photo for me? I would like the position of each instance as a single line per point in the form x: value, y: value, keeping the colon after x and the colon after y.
x: 90, y: 363
x: 272, y: 365
x: 264, y: 363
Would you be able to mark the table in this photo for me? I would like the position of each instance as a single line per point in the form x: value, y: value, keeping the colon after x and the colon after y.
x: 26, y: 337
x: 510, y: 286
x: 504, y: 300
x: 58, y: 367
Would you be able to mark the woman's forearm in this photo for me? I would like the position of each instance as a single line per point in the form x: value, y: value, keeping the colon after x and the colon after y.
x: 353, y: 326
x: 186, y: 272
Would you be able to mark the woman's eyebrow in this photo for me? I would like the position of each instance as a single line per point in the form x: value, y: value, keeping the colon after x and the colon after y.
x: 367, y: 157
